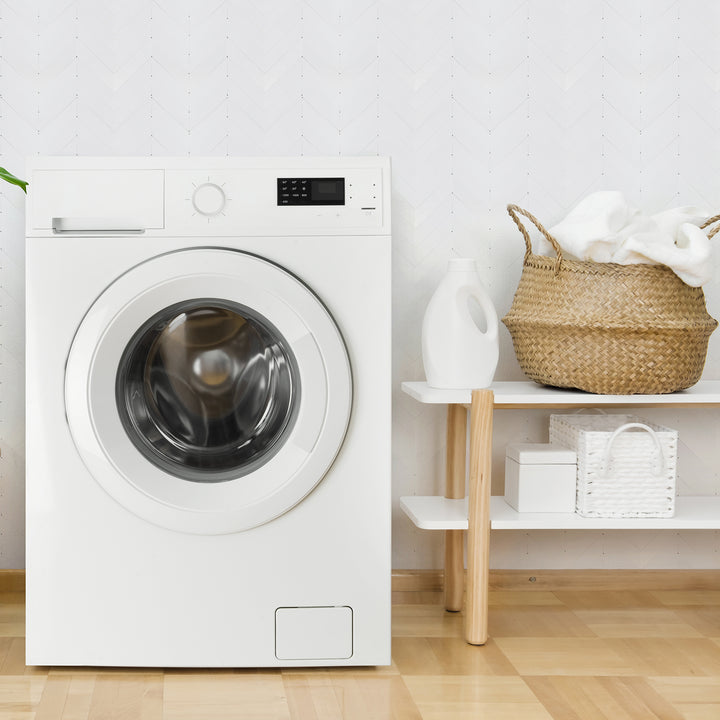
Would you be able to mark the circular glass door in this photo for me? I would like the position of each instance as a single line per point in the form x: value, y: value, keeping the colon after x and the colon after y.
x: 208, y: 391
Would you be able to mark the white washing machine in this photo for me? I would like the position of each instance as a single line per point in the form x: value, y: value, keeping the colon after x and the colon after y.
x: 208, y: 412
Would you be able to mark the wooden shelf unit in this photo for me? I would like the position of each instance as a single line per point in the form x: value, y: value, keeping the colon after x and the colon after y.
x: 479, y: 512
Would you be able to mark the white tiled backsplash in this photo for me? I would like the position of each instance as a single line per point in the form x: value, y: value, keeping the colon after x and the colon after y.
x: 478, y: 102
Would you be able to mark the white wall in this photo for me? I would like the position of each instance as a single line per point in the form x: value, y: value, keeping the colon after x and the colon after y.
x: 478, y: 102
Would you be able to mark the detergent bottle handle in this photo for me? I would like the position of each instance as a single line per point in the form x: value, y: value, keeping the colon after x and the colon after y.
x: 488, y: 309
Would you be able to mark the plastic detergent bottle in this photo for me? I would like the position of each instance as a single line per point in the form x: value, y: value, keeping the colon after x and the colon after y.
x: 456, y: 352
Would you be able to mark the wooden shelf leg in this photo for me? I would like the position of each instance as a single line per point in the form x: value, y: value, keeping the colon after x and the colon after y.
x: 455, y: 488
x: 478, y: 539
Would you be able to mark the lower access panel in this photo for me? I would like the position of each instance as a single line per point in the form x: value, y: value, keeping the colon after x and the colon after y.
x: 314, y: 633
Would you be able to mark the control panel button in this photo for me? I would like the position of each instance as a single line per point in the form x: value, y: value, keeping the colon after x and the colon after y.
x: 311, y: 191
x: 209, y: 199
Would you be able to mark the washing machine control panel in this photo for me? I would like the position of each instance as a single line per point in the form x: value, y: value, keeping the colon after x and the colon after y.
x: 287, y: 199
x: 311, y: 191
x: 220, y: 197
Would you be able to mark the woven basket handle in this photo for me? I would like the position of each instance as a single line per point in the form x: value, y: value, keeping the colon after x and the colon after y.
x: 659, y: 468
x: 709, y: 222
x: 514, y: 211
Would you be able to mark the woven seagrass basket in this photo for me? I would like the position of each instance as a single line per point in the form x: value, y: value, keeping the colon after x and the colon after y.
x: 606, y: 328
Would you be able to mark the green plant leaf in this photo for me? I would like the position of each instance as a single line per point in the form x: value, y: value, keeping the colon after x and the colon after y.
x: 9, y: 177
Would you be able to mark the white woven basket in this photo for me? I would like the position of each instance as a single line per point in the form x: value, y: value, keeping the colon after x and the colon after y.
x: 626, y: 465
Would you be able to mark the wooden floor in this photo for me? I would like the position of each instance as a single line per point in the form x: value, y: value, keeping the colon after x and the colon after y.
x: 563, y: 654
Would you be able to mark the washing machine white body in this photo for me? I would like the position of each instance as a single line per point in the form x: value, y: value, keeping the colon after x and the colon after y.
x: 171, y: 542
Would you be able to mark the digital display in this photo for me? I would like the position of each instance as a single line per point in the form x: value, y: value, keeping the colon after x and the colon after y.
x: 324, y: 188
x: 311, y: 191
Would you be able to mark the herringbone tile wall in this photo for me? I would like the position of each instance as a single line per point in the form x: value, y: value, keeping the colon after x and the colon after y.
x: 479, y: 103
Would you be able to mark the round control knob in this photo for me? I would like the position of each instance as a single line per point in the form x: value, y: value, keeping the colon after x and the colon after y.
x: 209, y: 199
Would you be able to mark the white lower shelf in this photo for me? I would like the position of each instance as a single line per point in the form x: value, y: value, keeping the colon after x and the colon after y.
x: 439, y: 513
x: 436, y: 513
x: 525, y: 394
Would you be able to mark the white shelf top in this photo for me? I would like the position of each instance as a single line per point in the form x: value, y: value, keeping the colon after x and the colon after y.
x: 439, y: 513
x: 436, y: 513
x: 529, y: 394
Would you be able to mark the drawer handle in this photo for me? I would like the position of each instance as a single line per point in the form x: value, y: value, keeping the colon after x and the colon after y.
x: 119, y: 226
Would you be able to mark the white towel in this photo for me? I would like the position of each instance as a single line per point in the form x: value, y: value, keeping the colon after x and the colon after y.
x: 590, y: 230
x: 688, y: 254
x: 670, y: 220
x: 605, y: 228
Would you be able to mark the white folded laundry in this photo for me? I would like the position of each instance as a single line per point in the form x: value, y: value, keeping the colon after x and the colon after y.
x: 689, y: 255
x: 670, y: 220
x: 589, y: 231
x: 604, y: 227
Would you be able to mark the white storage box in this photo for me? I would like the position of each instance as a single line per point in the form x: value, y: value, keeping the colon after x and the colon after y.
x: 626, y: 466
x: 540, y: 478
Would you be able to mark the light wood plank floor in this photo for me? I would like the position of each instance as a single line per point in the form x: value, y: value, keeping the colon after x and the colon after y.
x: 563, y: 654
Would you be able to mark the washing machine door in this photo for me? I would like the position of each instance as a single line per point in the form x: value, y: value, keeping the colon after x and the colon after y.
x: 208, y: 390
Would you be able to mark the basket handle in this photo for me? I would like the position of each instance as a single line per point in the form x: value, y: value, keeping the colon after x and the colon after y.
x: 709, y: 222
x: 659, y: 468
x: 514, y: 211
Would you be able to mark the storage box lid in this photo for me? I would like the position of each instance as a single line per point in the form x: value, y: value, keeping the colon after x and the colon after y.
x: 540, y: 453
